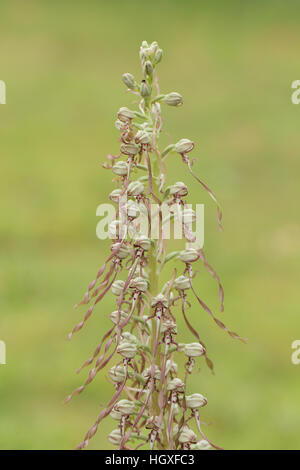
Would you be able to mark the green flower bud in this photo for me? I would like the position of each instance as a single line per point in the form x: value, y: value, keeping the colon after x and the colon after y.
x: 115, y: 437
x: 139, y: 284
x: 120, y: 168
x: 123, y: 251
x: 193, y: 350
x: 115, y: 195
x: 182, y: 283
x: 118, y: 316
x: 201, y: 445
x: 130, y: 149
x: 142, y: 54
x: 175, y: 384
x: 115, y: 415
x: 142, y: 137
x: 173, y: 99
x: 145, y: 89
x: 117, y: 373
x: 128, y: 80
x: 148, y: 68
x: 158, y: 56
x: 117, y: 287
x: 196, y: 400
x: 179, y: 189
x: 125, y: 114
x: 133, y: 210
x: 143, y: 242
x: 189, y: 255
x: 135, y: 188
x: 184, y: 146
x: 129, y: 337
x: 127, y: 350
x: 154, y: 45
x: 187, y: 435
x: 125, y: 407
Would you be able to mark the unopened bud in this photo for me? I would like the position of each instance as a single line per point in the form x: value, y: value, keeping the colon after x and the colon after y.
x: 175, y: 384
x: 117, y: 287
x: 135, y: 188
x: 189, y: 255
x: 196, y: 400
x: 193, y: 350
x: 179, y: 189
x: 173, y: 99
x: 158, y: 56
x: 142, y: 137
x: 128, y: 80
x: 148, y: 68
x: 127, y: 350
x: 125, y: 114
x: 184, y: 146
x: 133, y: 210
x: 187, y: 435
x: 139, y: 284
x: 145, y: 89
x: 143, y: 242
x: 118, y: 316
x: 125, y: 407
x: 115, y: 437
x: 115, y: 195
x: 117, y: 373
x: 154, y: 45
x: 120, y: 168
x: 182, y: 283
x: 130, y: 149
x: 115, y: 415
x: 129, y: 337
x: 123, y: 250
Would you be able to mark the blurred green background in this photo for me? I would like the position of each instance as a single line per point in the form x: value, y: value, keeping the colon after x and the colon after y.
x: 233, y: 62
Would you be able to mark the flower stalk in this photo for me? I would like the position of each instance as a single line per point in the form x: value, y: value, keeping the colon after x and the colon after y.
x: 151, y: 403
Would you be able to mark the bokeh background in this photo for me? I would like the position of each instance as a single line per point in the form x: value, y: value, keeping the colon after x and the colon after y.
x: 234, y: 63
